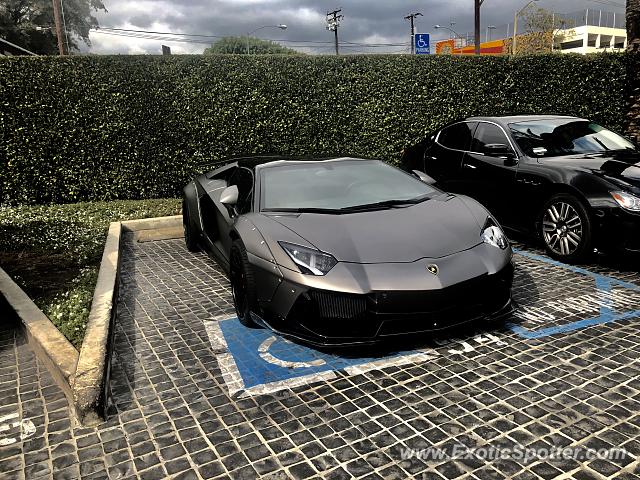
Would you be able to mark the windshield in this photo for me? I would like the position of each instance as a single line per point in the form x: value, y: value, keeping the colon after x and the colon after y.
x: 335, y: 185
x: 556, y: 137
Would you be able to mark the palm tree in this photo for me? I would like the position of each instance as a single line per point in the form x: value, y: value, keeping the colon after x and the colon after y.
x: 633, y: 47
x: 633, y: 25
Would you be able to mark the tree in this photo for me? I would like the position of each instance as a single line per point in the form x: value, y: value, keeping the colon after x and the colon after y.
x: 238, y: 45
x: 633, y: 25
x: 29, y: 23
x: 542, y: 32
x: 633, y: 46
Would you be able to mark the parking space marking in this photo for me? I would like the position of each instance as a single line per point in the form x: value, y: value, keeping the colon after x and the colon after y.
x: 612, y: 300
x: 256, y: 361
x: 11, y: 422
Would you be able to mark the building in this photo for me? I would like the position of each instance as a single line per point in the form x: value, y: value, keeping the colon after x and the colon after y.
x: 586, y: 31
x: 592, y: 31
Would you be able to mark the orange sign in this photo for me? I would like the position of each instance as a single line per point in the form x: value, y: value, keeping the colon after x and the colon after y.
x: 495, y: 47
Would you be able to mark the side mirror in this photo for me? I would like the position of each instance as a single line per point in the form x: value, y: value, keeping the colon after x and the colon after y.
x: 500, y: 150
x: 423, y: 177
x: 229, y: 196
x: 497, y: 150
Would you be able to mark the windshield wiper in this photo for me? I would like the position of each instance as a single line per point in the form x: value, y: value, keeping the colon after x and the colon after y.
x: 385, y: 204
x: 333, y: 211
x: 354, y: 208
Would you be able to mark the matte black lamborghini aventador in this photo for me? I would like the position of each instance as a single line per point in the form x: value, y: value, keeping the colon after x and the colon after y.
x: 572, y: 182
x: 344, y: 250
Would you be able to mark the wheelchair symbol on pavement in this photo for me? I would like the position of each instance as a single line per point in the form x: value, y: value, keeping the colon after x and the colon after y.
x: 263, y: 351
x: 24, y: 429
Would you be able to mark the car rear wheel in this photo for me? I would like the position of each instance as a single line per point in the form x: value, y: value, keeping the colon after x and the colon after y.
x: 565, y: 228
x: 189, y: 237
x: 243, y: 286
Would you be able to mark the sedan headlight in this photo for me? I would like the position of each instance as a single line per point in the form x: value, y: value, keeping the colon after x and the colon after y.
x: 493, y: 235
x: 309, y: 260
x: 627, y: 201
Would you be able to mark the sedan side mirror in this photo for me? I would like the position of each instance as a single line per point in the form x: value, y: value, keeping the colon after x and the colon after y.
x: 497, y: 149
x: 500, y: 150
x: 229, y: 196
x: 423, y: 177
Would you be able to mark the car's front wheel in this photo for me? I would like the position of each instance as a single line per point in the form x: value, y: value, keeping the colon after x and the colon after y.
x: 243, y: 286
x: 565, y: 228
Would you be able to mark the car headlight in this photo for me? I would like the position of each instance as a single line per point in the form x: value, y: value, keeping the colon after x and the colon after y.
x: 309, y: 260
x: 627, y: 201
x: 493, y: 235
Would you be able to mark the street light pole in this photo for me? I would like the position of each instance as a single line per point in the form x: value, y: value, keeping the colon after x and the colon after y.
x: 456, y: 34
x: 282, y: 26
x: 489, y: 28
x: 412, y: 17
x: 515, y: 26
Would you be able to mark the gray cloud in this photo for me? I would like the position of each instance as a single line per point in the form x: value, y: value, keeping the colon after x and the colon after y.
x: 373, y: 21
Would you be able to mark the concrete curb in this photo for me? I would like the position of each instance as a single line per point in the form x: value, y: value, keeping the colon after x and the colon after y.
x: 93, y: 368
x: 84, y: 376
x: 152, y: 223
x: 59, y: 355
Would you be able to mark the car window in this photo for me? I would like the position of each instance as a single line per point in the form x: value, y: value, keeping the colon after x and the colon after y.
x: 487, y: 134
x: 243, y: 179
x: 457, y: 136
x: 557, y: 137
x: 336, y: 184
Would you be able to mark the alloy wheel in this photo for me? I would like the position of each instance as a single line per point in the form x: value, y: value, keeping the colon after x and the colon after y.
x: 562, y: 228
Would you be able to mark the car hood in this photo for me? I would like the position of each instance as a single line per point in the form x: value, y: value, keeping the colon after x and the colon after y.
x: 619, y: 166
x: 432, y: 229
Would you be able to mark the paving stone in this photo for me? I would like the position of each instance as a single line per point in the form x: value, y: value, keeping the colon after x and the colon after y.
x: 173, y: 412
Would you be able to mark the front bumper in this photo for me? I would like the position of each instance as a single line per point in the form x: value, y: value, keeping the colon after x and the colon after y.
x: 321, y: 316
x: 619, y: 230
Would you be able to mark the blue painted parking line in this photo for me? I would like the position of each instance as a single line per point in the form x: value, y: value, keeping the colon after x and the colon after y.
x: 256, y: 361
x: 604, y: 288
x: 262, y: 357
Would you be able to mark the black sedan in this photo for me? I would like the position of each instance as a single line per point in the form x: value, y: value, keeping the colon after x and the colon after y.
x: 344, y: 250
x: 569, y: 181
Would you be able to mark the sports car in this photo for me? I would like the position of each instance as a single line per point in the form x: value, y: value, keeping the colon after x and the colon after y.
x: 566, y: 180
x: 347, y: 251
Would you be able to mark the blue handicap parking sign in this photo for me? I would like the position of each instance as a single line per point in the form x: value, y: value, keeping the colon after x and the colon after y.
x: 422, y: 43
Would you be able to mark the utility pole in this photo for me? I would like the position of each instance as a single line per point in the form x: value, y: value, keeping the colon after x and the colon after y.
x: 333, y: 22
x: 412, y: 17
x: 477, y: 25
x: 57, y: 18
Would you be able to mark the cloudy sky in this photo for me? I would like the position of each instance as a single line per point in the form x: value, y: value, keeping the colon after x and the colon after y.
x: 366, y: 22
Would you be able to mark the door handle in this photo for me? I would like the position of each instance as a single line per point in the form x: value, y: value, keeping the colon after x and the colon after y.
x: 467, y: 165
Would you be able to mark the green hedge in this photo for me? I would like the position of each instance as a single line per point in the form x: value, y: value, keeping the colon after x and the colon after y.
x: 100, y: 128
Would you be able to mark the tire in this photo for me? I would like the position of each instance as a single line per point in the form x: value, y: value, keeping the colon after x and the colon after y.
x: 189, y: 237
x: 565, y: 228
x: 243, y: 286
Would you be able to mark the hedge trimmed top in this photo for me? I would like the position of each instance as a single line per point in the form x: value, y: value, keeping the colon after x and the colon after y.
x: 129, y: 127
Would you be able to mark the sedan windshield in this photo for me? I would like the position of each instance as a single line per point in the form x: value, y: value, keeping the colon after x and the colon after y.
x: 556, y: 137
x: 338, y: 186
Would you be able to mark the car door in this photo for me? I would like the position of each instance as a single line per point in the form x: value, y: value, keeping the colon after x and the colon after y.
x: 243, y: 179
x: 489, y: 170
x: 443, y: 158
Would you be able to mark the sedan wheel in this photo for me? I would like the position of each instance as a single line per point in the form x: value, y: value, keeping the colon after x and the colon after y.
x: 566, y: 229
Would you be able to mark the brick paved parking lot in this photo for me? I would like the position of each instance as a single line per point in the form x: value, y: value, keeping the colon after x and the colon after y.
x: 196, y: 395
